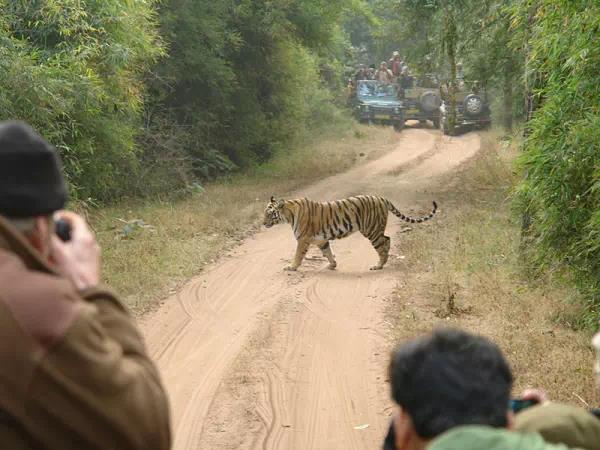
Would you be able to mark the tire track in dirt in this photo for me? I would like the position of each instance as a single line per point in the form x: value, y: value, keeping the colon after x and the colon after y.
x: 257, y: 358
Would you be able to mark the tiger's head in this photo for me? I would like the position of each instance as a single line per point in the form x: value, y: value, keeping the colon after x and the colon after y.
x: 273, y: 214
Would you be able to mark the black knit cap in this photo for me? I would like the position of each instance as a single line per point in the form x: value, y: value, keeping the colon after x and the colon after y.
x: 31, y: 179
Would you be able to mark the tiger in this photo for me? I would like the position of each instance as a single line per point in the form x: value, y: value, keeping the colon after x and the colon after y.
x: 318, y: 223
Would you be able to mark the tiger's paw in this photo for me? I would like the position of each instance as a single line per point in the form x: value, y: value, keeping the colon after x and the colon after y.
x: 290, y: 269
x: 376, y: 267
x: 332, y: 266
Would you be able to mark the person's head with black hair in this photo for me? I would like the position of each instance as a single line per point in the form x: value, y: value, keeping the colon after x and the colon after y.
x: 447, y: 379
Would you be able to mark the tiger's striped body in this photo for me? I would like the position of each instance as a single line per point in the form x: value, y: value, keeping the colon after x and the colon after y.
x: 318, y: 223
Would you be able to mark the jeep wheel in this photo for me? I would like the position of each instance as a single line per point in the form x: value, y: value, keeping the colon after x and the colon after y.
x: 429, y: 102
x: 473, y: 105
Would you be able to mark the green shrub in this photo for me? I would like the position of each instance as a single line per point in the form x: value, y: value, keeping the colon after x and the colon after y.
x: 73, y: 71
x: 560, y: 192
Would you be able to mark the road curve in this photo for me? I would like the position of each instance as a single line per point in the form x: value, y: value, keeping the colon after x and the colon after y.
x: 257, y: 358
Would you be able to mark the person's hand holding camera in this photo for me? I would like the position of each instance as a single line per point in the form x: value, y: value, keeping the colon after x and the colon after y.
x: 536, y: 395
x: 79, y: 258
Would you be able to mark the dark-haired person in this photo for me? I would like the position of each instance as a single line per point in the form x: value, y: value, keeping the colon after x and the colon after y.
x: 406, y: 81
x: 74, y: 373
x: 361, y: 74
x: 452, y: 391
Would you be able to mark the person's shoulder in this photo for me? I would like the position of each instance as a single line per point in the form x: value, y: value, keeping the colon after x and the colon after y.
x: 43, y: 304
x: 474, y: 436
x: 562, y: 423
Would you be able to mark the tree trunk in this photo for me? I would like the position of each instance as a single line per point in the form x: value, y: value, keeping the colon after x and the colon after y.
x: 507, y: 89
x: 450, y: 44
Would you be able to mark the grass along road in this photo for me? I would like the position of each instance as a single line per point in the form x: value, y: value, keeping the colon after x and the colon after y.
x: 466, y: 272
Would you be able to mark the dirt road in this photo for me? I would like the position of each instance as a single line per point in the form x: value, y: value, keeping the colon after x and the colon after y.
x: 257, y: 358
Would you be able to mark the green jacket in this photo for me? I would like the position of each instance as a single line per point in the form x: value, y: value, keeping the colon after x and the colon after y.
x: 557, y: 422
x: 487, y: 438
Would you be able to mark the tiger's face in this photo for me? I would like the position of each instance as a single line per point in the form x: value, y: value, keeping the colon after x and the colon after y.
x: 273, y: 213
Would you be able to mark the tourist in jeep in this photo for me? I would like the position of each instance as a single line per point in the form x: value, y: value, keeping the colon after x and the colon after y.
x: 383, y: 74
x: 406, y: 81
x: 361, y: 74
x: 396, y: 64
x: 371, y: 71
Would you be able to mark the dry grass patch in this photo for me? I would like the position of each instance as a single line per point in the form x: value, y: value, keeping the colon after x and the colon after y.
x: 464, y: 271
x: 150, y: 248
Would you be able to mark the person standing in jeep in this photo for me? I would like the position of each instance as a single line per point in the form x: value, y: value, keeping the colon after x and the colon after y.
x: 406, y: 81
x: 361, y: 74
x: 383, y: 74
x: 74, y: 370
x: 396, y: 64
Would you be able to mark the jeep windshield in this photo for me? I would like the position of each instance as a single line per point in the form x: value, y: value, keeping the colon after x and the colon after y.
x: 371, y: 90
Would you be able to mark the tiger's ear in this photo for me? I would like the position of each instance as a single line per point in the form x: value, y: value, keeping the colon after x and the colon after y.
x: 272, y: 199
x: 280, y: 203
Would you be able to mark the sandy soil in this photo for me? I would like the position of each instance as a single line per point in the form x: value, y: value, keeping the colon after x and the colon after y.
x: 257, y: 358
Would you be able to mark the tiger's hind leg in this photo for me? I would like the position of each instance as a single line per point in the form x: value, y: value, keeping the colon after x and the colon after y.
x: 326, y: 249
x: 382, y: 246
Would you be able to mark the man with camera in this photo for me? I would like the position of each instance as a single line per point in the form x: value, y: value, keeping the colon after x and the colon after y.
x: 452, y: 391
x: 74, y: 372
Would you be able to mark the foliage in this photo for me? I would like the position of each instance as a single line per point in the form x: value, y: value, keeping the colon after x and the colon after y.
x: 144, y: 97
x: 542, y: 59
x: 73, y: 69
x: 561, y: 189
x: 245, y: 78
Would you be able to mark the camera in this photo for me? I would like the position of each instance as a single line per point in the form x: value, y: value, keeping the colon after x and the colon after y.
x: 518, y: 405
x: 62, y: 228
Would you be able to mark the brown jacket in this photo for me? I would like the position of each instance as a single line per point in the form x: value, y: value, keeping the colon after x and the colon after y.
x: 74, y: 373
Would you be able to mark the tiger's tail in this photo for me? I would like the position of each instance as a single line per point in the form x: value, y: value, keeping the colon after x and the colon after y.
x: 401, y: 216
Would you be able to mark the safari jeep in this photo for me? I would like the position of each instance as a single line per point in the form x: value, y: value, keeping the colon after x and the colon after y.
x: 378, y: 102
x: 472, y: 108
x: 422, y: 99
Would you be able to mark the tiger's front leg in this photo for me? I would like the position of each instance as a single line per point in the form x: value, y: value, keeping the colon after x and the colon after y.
x: 301, y: 250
